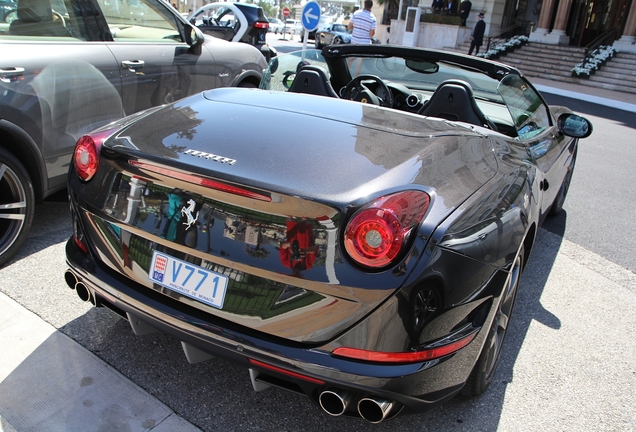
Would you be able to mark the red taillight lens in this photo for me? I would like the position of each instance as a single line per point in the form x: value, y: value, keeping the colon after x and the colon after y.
x: 85, y: 158
x: 86, y: 155
x: 261, y: 25
x: 405, y: 357
x: 376, y: 234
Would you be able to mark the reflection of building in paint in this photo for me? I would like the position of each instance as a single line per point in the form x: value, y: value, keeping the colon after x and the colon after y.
x: 135, y: 198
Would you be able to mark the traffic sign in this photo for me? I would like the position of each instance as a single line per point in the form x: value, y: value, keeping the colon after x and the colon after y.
x: 310, y: 16
x: 286, y: 12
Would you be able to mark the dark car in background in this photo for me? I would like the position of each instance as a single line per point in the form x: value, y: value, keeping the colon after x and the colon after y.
x: 68, y: 67
x: 335, y: 34
x: 323, y: 22
x: 236, y: 22
x: 332, y: 34
x: 367, y: 255
x: 8, y: 11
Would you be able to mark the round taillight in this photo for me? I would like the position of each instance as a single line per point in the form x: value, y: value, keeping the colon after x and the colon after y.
x: 377, y: 233
x: 373, y: 237
x: 85, y: 158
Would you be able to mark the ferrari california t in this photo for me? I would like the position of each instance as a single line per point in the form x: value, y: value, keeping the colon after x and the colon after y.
x: 366, y: 255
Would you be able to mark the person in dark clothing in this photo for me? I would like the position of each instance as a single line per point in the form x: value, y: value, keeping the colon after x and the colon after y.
x: 451, y: 7
x: 477, y: 38
x: 437, y: 5
x: 464, y: 11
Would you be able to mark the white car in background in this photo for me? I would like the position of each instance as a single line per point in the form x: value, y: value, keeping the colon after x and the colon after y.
x: 275, y: 25
x: 290, y: 26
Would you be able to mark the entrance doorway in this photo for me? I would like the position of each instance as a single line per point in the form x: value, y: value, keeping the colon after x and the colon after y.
x: 591, y: 18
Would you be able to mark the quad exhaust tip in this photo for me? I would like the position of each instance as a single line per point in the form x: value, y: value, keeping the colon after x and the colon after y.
x: 335, y: 402
x: 80, y: 288
x: 374, y: 410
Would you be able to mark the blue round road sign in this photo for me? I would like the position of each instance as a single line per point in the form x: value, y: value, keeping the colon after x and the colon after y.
x: 311, y: 16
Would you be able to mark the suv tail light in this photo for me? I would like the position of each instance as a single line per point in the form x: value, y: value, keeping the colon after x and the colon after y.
x: 261, y: 25
x: 86, y: 154
x: 378, y: 232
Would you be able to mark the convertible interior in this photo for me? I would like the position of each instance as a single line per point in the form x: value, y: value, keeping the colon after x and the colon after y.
x: 424, y: 82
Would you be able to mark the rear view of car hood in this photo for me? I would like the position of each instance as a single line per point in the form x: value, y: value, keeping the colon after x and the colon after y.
x: 346, y: 152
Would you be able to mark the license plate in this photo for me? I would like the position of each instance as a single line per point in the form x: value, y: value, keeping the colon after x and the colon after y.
x: 189, y: 279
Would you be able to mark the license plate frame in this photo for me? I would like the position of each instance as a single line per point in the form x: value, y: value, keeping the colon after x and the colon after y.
x: 188, y: 279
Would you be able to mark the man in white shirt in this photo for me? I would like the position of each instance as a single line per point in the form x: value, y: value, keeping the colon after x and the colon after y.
x: 363, y: 24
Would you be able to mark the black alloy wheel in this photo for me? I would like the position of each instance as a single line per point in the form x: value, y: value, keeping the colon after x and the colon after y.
x: 425, y: 305
x: 484, y: 371
x: 17, y: 204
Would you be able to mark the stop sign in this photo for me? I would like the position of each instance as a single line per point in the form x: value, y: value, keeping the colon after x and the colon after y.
x: 286, y: 12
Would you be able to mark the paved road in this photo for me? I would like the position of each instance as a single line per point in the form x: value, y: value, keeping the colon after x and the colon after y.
x: 569, y: 362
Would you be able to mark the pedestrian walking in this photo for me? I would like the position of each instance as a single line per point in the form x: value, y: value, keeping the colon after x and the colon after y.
x: 477, y: 38
x: 363, y: 24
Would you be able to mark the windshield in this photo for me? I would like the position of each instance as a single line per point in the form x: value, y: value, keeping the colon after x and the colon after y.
x: 413, y: 74
x: 408, y: 84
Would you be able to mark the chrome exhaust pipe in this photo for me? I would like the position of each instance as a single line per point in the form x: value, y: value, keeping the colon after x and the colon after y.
x: 374, y: 410
x: 84, y: 293
x: 334, y: 402
x: 70, y: 278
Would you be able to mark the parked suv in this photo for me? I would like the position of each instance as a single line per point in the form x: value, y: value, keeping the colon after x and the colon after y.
x: 70, y: 66
x: 237, y: 22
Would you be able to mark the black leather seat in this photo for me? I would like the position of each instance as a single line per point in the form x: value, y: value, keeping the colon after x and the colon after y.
x: 454, y: 100
x: 313, y: 80
x: 35, y: 18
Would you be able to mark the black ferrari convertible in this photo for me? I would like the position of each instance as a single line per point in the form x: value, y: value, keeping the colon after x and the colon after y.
x: 354, y: 230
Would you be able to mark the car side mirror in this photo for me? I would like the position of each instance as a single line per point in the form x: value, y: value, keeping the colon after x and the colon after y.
x: 574, y: 125
x: 194, y: 38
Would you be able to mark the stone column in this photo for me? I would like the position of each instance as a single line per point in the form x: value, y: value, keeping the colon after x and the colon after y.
x: 627, y: 42
x: 557, y: 35
x: 544, y: 22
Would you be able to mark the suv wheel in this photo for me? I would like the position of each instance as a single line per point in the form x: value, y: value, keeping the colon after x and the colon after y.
x: 17, y: 204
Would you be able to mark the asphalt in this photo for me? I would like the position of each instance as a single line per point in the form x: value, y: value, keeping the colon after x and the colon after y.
x: 86, y: 394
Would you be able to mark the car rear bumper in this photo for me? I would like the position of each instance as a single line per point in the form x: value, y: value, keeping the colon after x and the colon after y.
x: 272, y: 361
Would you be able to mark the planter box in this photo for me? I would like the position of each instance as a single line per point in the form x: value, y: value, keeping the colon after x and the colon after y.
x: 431, y: 35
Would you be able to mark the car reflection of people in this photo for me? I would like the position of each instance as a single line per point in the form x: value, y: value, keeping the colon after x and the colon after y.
x: 298, y: 252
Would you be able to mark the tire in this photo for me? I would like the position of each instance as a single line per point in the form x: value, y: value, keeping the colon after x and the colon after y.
x: 17, y: 205
x: 484, y: 371
x: 557, y: 205
x: 247, y: 84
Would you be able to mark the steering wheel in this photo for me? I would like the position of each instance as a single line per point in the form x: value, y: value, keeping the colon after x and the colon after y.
x: 356, y: 90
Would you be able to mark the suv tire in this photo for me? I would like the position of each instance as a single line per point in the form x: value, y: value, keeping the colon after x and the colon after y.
x: 17, y: 202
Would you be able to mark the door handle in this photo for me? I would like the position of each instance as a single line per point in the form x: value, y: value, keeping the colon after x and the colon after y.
x: 133, y: 65
x: 11, y: 74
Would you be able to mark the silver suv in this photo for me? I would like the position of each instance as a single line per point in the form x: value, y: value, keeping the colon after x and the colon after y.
x: 70, y: 66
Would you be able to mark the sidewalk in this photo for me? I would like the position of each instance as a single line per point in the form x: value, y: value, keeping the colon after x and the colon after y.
x: 49, y: 382
x: 619, y: 100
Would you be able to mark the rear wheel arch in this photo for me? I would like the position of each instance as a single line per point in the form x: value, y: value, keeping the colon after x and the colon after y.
x: 485, y: 368
x: 249, y: 79
x: 21, y: 145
